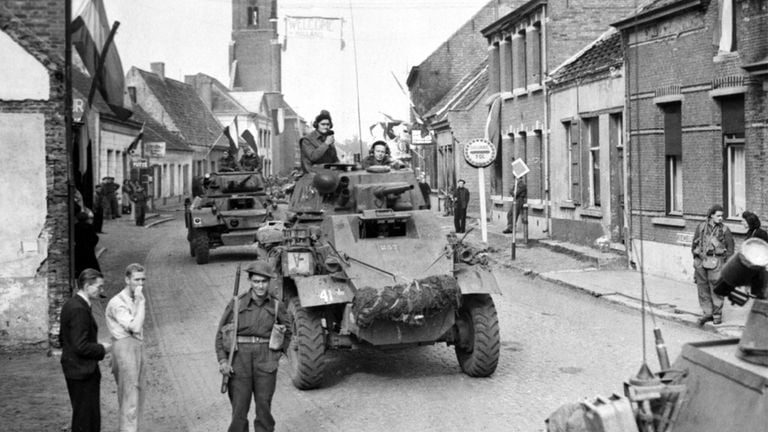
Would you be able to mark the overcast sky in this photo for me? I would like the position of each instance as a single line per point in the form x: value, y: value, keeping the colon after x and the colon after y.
x: 192, y: 36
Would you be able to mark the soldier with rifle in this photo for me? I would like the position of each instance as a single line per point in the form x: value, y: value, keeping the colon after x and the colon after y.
x: 246, y: 361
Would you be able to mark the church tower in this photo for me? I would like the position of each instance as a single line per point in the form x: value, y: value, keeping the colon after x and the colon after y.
x: 254, y: 52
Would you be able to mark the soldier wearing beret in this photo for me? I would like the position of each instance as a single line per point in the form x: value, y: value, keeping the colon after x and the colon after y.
x: 253, y: 372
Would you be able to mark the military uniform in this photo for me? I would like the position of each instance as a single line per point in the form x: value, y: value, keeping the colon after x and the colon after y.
x: 254, y: 364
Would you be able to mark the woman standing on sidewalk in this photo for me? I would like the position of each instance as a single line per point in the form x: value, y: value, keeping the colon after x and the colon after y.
x: 752, y: 222
x: 712, y: 245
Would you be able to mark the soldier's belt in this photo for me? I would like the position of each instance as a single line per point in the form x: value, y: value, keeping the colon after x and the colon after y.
x: 252, y: 339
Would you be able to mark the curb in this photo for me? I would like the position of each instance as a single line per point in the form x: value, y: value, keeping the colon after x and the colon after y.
x: 158, y: 221
x: 681, y: 317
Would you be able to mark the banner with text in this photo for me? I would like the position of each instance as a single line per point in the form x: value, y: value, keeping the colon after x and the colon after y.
x: 313, y: 27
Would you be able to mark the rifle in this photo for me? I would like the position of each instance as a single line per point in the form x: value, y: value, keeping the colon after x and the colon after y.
x: 235, y: 313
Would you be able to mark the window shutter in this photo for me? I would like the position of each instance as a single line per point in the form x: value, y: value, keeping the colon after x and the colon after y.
x: 575, y: 163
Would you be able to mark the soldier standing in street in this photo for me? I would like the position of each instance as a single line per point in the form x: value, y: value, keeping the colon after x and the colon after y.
x: 712, y: 246
x: 253, y: 372
x: 125, y: 315
x: 110, y: 190
x: 460, y: 203
x: 140, y: 200
x: 521, y: 196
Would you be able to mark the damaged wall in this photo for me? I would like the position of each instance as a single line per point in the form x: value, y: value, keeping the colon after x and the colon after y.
x: 34, y: 241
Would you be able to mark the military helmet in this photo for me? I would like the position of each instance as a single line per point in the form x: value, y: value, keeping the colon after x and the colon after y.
x: 260, y: 268
x: 325, y: 182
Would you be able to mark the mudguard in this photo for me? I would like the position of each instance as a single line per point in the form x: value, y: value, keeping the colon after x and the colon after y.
x: 476, y: 279
x: 203, y: 218
x: 322, y: 290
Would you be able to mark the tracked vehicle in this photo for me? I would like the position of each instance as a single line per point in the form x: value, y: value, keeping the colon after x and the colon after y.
x: 230, y: 213
x: 364, y: 263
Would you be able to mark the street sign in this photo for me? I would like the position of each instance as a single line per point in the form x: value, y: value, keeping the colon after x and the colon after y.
x: 519, y: 168
x: 479, y: 152
x: 141, y: 163
x: 418, y: 139
x: 155, y: 149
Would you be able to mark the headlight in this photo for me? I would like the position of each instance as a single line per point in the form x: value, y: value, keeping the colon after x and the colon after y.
x: 197, y: 221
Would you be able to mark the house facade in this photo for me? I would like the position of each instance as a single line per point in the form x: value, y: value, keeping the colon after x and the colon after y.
x: 586, y: 147
x: 179, y: 109
x: 697, y: 122
x: 524, y: 46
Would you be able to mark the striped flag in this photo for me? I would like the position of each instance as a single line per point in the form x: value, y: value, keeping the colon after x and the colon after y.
x: 90, y: 33
x: 131, y: 150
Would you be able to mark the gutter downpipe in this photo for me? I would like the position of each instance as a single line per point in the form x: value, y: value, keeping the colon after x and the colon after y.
x: 628, y: 244
x: 545, y: 132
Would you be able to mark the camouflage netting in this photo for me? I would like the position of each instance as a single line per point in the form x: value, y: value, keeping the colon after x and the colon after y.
x: 409, y: 303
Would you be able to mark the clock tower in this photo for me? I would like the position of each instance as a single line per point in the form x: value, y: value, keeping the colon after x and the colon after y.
x: 254, y: 52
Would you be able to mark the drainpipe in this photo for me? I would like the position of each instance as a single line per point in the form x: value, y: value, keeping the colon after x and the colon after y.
x: 545, y: 131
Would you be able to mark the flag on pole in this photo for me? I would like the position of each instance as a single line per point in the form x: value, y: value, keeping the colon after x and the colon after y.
x: 248, y: 137
x: 90, y: 32
x: 131, y: 150
x: 493, y: 122
x: 233, y: 147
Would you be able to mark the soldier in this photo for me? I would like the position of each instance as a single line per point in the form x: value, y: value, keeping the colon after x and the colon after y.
x: 712, y: 245
x: 253, y: 372
x: 250, y: 161
x: 98, y: 209
x: 110, y: 190
x: 140, y: 201
x: 317, y: 147
x: 227, y: 162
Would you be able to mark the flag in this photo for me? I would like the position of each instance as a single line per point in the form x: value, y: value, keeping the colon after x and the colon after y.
x: 131, y: 150
x: 84, y: 140
x: 234, y: 149
x: 493, y: 122
x: 90, y: 31
x: 248, y: 137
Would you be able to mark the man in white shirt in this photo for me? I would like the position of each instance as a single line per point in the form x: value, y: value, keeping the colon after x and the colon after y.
x: 125, y: 320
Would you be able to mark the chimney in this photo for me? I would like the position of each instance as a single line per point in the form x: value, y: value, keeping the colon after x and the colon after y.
x: 158, y: 68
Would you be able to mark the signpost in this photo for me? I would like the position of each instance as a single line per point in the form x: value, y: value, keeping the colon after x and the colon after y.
x: 480, y: 153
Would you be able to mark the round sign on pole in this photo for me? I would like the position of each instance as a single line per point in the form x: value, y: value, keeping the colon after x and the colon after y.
x: 479, y: 152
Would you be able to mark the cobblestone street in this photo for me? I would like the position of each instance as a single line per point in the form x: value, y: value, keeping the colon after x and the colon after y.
x: 558, y: 346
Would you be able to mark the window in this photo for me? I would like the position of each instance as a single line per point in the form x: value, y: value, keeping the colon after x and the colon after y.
x: 733, y: 145
x: 253, y: 16
x: 593, y: 142
x: 534, y: 42
x: 673, y: 143
x: 674, y: 185
x: 727, y: 29
x: 736, y: 176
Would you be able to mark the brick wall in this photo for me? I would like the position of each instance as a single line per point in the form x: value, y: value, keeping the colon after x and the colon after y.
x: 38, y: 27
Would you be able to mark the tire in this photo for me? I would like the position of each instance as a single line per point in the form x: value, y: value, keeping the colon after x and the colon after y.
x: 478, y: 347
x: 306, y: 353
x: 190, y: 235
x: 200, y: 247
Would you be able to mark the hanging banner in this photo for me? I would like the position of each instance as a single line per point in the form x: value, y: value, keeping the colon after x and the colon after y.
x: 313, y: 27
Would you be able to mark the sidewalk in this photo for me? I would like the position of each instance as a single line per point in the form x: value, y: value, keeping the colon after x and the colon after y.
x: 601, y: 275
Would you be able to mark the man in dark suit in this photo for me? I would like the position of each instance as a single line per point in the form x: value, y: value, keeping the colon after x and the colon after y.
x: 460, y: 203
x: 81, y: 353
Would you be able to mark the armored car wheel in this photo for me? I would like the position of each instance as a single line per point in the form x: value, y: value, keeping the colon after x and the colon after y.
x: 200, y: 247
x: 306, y: 353
x: 477, y: 345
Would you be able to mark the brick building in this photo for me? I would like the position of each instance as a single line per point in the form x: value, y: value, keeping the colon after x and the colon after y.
x: 697, y: 120
x: 586, y: 146
x: 440, y: 73
x: 34, y: 242
x: 523, y: 47
x: 456, y: 119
